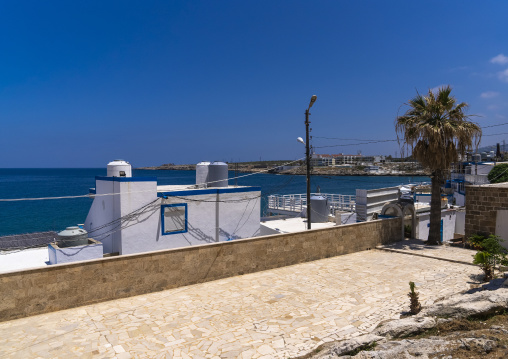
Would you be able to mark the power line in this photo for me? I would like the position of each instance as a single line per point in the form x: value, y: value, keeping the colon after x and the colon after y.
x: 355, y: 144
x: 368, y: 141
x: 496, y: 134
x: 119, y: 224
x: 499, y: 124
x: 346, y: 139
x: 115, y: 194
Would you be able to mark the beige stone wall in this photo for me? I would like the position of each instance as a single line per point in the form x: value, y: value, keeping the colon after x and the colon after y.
x: 482, y: 203
x: 70, y: 285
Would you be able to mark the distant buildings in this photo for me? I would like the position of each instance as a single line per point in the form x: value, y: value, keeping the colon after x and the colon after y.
x: 344, y: 160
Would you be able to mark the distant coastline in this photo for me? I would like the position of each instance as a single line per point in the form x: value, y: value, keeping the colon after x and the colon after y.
x: 266, y: 166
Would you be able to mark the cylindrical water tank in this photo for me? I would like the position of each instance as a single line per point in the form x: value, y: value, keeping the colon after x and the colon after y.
x: 72, y: 236
x: 218, y: 174
x: 477, y: 157
x: 319, y: 209
x: 202, y: 173
x: 119, y: 168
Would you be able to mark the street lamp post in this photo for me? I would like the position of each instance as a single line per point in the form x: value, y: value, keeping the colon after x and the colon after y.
x: 307, y: 155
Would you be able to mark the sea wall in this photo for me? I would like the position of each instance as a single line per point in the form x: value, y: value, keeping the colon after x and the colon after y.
x: 58, y: 287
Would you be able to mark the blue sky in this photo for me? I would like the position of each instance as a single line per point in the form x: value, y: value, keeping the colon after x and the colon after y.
x: 85, y: 82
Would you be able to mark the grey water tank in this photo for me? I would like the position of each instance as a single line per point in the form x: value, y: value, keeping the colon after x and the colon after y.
x: 477, y: 157
x: 217, y: 174
x: 72, y: 236
x: 319, y: 209
x: 202, y: 174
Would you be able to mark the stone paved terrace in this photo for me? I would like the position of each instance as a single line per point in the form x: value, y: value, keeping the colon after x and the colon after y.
x: 279, y: 313
x: 445, y: 252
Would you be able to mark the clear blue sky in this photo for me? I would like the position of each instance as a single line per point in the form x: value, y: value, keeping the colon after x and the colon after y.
x: 152, y: 82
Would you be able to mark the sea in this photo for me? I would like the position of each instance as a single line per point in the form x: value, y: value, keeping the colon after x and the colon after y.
x: 29, y: 216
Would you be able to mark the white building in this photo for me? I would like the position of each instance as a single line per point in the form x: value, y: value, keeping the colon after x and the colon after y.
x: 469, y: 173
x: 134, y: 214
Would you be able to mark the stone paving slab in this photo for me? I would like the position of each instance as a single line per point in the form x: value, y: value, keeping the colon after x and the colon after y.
x: 279, y: 313
x: 445, y: 252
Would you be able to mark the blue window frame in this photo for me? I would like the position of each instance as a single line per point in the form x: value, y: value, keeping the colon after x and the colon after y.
x: 173, y: 218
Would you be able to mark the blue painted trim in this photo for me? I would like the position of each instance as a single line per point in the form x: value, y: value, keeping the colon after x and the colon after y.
x: 239, y: 190
x: 162, y: 218
x: 199, y: 192
x: 92, y: 191
x: 126, y: 179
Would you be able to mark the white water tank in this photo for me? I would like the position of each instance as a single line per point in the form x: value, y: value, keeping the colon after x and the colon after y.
x: 211, y: 174
x: 202, y: 174
x: 119, y: 168
x: 319, y: 209
x: 218, y: 174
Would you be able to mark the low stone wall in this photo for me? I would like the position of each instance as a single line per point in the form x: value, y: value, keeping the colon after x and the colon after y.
x: 482, y: 203
x: 58, y: 287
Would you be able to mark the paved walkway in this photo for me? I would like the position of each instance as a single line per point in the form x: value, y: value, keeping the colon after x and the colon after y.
x: 280, y: 313
x: 443, y: 252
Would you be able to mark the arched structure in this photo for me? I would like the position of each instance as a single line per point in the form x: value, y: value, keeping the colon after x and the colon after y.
x: 401, y: 209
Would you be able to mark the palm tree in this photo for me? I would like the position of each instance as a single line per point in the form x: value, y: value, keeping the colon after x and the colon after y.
x: 437, y: 130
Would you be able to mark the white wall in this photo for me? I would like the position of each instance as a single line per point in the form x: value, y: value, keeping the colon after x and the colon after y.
x: 74, y: 254
x: 124, y: 195
x: 140, y: 208
x: 448, y: 216
x: 101, y: 212
x: 460, y: 199
x: 238, y: 217
x: 502, y: 226
x: 237, y: 212
x: 460, y: 222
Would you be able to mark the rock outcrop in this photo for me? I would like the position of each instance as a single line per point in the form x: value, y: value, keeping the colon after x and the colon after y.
x: 488, y: 299
x: 469, y: 305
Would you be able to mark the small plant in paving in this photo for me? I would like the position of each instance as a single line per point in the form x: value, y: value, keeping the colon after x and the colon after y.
x: 490, y: 254
x: 414, y: 306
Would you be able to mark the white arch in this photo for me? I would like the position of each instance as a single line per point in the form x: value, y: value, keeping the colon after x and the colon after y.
x: 401, y: 209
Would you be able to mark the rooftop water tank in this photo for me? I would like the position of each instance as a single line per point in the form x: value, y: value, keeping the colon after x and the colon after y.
x: 119, y: 168
x: 319, y: 209
x: 218, y: 174
x: 72, y: 236
x: 202, y: 174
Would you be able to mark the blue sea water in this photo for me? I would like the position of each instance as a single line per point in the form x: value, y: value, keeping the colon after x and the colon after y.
x: 56, y: 214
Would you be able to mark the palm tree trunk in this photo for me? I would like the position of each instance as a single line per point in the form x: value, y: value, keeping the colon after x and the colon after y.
x: 435, y: 209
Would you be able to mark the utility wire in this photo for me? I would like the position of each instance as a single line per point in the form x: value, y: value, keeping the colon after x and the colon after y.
x: 115, y: 194
x: 121, y: 223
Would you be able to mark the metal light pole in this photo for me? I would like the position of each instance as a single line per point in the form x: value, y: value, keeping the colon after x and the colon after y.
x: 307, y: 155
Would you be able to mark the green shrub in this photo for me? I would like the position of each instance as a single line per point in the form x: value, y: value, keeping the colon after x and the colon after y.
x: 475, y: 241
x: 490, y: 254
x: 498, y: 174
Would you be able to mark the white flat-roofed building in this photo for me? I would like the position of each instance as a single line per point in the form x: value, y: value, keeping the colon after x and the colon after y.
x: 133, y: 214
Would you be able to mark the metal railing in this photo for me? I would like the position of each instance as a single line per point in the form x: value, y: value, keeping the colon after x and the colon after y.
x: 298, y: 202
x: 471, y: 178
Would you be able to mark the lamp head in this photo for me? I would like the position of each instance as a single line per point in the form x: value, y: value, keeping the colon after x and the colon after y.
x: 299, y: 139
x: 312, y: 100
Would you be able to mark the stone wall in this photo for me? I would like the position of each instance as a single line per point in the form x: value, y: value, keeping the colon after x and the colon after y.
x: 482, y: 203
x: 58, y: 287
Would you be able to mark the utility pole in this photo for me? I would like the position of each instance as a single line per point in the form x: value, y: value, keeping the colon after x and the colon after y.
x: 307, y: 155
